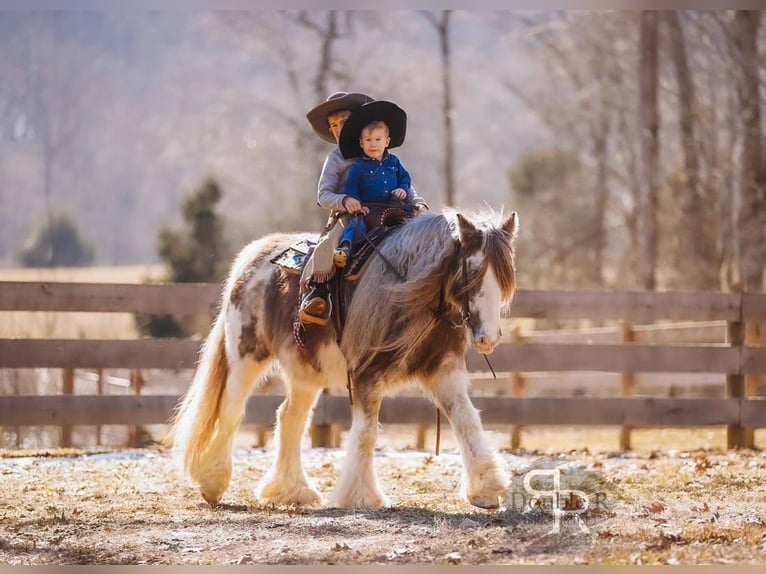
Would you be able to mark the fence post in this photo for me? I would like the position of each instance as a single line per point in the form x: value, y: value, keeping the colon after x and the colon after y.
x: 321, y: 435
x: 628, y: 383
x: 67, y: 388
x: 735, y: 382
x: 100, y: 391
x: 752, y: 339
x: 517, y: 390
x: 420, y: 439
x: 137, y: 382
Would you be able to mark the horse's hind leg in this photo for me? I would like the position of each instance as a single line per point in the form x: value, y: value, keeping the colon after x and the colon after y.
x: 483, y: 479
x: 214, y: 472
x: 286, y: 482
x: 358, y: 485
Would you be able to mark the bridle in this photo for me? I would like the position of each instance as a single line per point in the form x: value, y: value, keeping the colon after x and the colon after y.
x: 465, y: 314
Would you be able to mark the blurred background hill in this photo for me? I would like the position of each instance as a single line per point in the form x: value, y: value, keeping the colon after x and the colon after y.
x: 111, y: 118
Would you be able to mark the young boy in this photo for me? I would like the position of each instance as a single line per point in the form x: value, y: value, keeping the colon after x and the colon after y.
x: 377, y: 176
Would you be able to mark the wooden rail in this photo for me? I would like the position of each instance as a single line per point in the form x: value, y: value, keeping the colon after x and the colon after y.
x: 637, y: 354
x: 156, y: 409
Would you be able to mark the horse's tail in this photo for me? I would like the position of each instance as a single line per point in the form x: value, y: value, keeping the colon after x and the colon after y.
x: 195, y: 420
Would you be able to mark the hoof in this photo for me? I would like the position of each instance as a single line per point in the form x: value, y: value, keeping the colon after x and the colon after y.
x: 300, y: 494
x: 212, y: 498
x: 367, y: 501
x: 485, y: 502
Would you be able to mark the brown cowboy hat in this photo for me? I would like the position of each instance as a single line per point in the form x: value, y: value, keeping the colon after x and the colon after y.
x: 380, y: 110
x: 334, y: 103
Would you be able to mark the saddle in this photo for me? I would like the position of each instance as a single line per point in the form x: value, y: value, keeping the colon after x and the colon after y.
x: 381, y: 219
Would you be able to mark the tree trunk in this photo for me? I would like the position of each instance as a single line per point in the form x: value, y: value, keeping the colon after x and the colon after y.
x: 750, y: 218
x: 448, y: 111
x: 600, y: 141
x: 698, y: 252
x: 649, y: 124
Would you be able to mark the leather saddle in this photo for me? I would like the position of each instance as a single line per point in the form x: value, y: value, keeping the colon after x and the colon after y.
x: 380, y: 221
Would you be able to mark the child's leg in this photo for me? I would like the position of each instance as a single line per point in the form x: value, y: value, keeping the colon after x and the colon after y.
x: 341, y: 254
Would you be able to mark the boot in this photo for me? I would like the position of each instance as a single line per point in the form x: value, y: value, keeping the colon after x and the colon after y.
x: 316, y: 306
x: 340, y: 256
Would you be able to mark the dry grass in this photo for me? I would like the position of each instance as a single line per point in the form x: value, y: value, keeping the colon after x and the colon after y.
x: 690, y: 508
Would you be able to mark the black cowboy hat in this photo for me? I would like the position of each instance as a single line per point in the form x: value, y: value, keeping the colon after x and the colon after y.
x: 334, y: 103
x: 380, y: 110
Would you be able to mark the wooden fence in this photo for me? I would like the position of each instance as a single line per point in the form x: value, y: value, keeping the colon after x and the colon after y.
x: 738, y: 358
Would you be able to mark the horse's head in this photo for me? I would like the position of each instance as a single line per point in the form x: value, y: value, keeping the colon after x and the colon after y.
x: 488, y: 276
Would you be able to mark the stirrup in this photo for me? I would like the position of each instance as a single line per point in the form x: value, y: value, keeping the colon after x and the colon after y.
x: 315, y: 310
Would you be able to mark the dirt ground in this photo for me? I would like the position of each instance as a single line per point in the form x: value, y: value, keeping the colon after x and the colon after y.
x: 128, y: 507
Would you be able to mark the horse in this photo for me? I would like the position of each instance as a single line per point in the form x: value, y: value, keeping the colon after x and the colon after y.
x: 437, y: 283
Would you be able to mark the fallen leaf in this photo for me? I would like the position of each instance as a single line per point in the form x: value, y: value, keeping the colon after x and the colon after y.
x: 453, y: 558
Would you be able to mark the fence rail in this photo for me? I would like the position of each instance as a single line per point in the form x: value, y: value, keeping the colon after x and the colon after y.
x: 636, y: 411
x: 726, y: 343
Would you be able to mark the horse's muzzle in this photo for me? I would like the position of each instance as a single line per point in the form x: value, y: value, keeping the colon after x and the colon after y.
x: 484, y: 343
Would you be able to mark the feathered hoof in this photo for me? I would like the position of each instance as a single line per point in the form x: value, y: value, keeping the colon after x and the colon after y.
x: 486, y: 487
x: 485, y: 502
x: 299, y: 494
x: 212, y: 497
x: 213, y: 487
x: 359, y: 500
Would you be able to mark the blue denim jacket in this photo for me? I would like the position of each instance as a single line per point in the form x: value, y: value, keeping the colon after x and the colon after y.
x: 373, y: 180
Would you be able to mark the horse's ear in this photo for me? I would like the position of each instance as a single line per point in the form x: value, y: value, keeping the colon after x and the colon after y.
x: 511, y: 225
x: 467, y: 233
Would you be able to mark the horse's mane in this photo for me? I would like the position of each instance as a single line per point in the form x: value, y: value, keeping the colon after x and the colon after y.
x: 397, y: 318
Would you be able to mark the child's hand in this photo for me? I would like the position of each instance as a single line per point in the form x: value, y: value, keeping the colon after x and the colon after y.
x: 399, y: 193
x: 352, y: 205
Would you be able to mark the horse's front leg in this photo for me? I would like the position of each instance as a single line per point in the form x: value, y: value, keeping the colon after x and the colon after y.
x: 358, y: 485
x: 286, y: 481
x: 484, y: 479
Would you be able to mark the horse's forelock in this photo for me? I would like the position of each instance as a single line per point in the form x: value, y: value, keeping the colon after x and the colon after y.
x: 499, y: 252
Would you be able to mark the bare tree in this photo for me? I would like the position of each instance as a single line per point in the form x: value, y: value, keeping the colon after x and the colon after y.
x: 649, y: 145
x: 303, y: 47
x: 697, y: 237
x: 441, y: 24
x: 751, y: 218
x: 51, y: 95
x: 583, y: 104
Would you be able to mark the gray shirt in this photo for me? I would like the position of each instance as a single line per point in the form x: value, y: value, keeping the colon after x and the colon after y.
x: 332, y: 182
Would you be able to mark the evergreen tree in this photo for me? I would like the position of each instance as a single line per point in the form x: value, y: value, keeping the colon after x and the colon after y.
x: 197, y: 252
x: 58, y: 243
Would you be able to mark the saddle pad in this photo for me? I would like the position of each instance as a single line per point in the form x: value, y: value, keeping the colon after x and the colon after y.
x: 291, y: 259
x: 362, y: 250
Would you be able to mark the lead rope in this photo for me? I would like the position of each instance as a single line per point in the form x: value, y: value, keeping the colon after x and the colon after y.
x: 438, y: 430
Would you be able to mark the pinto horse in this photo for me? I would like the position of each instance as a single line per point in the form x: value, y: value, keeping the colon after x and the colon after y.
x: 438, y: 283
